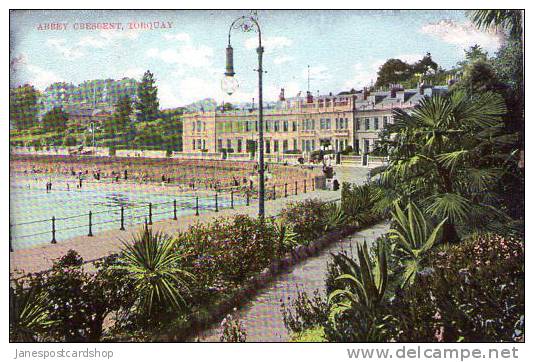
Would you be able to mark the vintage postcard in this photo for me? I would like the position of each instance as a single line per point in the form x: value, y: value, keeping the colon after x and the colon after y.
x: 267, y: 176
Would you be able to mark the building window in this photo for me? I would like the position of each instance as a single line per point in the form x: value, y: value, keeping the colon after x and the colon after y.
x: 294, y: 126
x: 376, y: 123
x: 239, y: 146
x: 328, y: 123
x: 267, y: 146
x: 219, y: 144
x: 277, y: 126
x: 203, y: 144
x: 357, y: 124
x: 385, y: 120
x: 193, y: 144
x: 313, y: 145
x: 199, y: 144
x: 194, y: 124
x: 275, y: 146
x: 286, y: 126
x: 228, y: 144
x: 284, y: 145
x: 321, y: 125
x: 367, y: 124
x: 247, y: 126
x: 295, y: 144
x: 357, y: 146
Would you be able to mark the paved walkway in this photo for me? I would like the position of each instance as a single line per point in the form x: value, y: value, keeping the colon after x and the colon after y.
x: 107, y: 242
x: 262, y: 316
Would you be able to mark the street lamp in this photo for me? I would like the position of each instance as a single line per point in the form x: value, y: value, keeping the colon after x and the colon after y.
x: 229, y: 85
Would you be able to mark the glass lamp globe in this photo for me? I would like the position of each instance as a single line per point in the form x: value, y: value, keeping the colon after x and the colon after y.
x: 229, y: 85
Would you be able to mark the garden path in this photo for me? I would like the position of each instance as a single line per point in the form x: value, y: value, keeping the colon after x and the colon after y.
x: 262, y: 316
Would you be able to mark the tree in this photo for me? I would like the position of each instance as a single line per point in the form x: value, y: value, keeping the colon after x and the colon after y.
x: 425, y: 65
x: 509, y: 20
x: 445, y: 157
x: 147, y: 98
x: 23, y: 106
x: 119, y: 123
x: 55, y: 120
x: 393, y: 71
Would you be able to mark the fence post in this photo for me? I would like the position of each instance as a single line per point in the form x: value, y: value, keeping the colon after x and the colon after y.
x: 174, y: 209
x: 216, y: 202
x: 274, y: 192
x: 285, y: 189
x: 90, y: 224
x: 232, y: 199
x: 196, y: 207
x: 149, y: 213
x: 53, y: 230
x: 313, y: 184
x: 248, y: 199
x: 146, y: 223
x: 122, y: 217
x: 296, y: 188
x: 304, y: 186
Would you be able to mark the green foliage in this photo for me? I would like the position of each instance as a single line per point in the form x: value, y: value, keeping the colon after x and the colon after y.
x: 335, y: 217
x: 153, y: 267
x: 55, y: 120
x: 466, y: 296
x: 359, y: 202
x: 286, y: 237
x: 69, y: 140
x: 396, y: 71
x: 304, y: 312
x: 28, y: 314
x: 413, y: 237
x: 510, y: 20
x: 434, y: 150
x: 68, y: 304
x: 365, y: 287
x: 147, y: 98
x: 313, y: 335
x: 306, y: 218
x: 23, y: 106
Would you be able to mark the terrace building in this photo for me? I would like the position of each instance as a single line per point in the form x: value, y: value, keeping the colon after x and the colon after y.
x: 302, y: 124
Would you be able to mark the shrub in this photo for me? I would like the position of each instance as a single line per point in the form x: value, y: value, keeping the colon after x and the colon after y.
x: 473, y: 293
x: 155, y: 269
x: 306, y: 217
x: 357, y: 202
x: 229, y: 250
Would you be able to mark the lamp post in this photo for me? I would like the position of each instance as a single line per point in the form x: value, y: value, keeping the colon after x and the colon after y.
x: 229, y: 85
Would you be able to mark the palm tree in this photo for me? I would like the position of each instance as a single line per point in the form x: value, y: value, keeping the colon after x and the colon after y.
x: 443, y: 156
x: 511, y: 20
x: 153, y: 265
x: 28, y: 315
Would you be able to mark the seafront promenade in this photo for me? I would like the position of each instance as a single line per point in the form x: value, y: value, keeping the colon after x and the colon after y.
x: 40, y: 258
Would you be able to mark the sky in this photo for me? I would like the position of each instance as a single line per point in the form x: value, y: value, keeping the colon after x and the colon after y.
x: 186, y: 49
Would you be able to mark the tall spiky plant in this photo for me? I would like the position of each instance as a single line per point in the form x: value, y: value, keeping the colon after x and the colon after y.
x: 153, y: 266
x: 366, y: 286
x: 413, y: 237
x: 28, y: 314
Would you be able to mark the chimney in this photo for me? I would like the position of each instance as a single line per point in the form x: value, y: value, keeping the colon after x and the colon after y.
x: 309, y: 97
x: 282, y: 96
